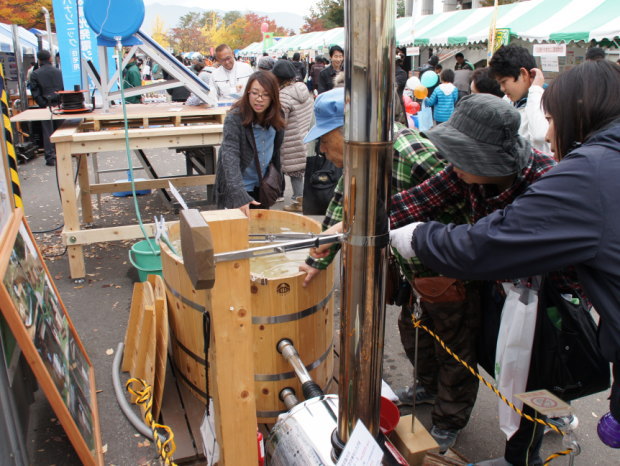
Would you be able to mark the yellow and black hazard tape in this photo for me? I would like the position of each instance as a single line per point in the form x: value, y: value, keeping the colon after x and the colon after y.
x: 163, y: 435
x: 568, y: 451
x: 10, y: 148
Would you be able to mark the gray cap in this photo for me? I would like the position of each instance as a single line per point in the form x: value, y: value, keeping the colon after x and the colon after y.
x: 482, y: 137
x: 266, y: 63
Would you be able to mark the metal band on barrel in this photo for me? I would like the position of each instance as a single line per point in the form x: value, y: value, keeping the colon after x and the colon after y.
x: 184, y: 300
x: 295, y: 316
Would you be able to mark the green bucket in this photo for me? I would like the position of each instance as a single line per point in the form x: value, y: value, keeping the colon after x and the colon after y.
x: 144, y: 259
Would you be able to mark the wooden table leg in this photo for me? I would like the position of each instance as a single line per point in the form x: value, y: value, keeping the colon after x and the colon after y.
x: 85, y: 198
x: 69, y: 207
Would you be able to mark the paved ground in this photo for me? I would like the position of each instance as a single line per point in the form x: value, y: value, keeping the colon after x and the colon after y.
x: 99, y: 309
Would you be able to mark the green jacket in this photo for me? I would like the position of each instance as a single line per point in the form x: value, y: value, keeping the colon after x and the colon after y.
x: 132, y: 78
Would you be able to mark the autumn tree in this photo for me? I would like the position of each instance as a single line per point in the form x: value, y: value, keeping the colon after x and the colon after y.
x: 253, y: 32
x: 25, y: 13
x: 188, y: 36
x: 160, y: 35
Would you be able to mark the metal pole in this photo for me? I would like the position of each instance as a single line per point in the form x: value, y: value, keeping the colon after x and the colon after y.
x: 48, y: 28
x: 369, y: 88
x: 19, y: 63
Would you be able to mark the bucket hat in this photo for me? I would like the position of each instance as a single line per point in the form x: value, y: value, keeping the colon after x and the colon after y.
x: 328, y: 113
x: 284, y: 70
x: 482, y: 137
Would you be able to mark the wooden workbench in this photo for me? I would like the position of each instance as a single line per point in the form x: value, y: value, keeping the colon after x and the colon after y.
x: 95, y: 132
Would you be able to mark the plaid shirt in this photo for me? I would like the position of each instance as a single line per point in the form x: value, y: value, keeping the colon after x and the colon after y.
x: 414, y: 160
x: 428, y: 200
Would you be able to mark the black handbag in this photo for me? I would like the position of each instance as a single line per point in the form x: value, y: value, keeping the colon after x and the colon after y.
x: 271, y: 186
x: 566, y: 359
x: 320, y: 180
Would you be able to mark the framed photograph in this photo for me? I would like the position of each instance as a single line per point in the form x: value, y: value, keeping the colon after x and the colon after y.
x: 31, y: 306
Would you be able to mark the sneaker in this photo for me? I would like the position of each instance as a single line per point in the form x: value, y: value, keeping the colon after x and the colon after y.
x: 564, y: 423
x: 445, y: 438
x: 293, y: 207
x: 280, y: 199
x: 405, y: 396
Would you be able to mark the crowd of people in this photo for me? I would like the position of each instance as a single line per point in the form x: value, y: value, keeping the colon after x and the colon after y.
x: 467, y: 198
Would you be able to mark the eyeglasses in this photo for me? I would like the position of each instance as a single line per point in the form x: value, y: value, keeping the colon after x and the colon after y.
x: 226, y: 59
x: 257, y: 95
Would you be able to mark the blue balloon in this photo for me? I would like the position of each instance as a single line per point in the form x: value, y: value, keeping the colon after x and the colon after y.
x: 429, y: 79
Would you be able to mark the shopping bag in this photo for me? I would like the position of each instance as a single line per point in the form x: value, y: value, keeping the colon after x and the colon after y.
x: 514, y: 350
x: 425, y: 118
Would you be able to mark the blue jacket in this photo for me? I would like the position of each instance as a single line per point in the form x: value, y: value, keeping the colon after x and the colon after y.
x: 570, y: 216
x: 443, y: 103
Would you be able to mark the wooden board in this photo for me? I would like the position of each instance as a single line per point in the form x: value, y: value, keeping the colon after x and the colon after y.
x: 413, y: 446
x: 31, y: 306
x: 135, y: 316
x: 161, y: 341
x: 134, y: 111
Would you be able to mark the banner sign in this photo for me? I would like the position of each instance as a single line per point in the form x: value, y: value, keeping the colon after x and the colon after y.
x: 502, y: 37
x: 557, y: 50
x: 413, y: 51
x: 74, y: 36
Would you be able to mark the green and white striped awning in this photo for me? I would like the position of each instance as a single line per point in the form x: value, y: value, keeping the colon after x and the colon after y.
x: 534, y: 20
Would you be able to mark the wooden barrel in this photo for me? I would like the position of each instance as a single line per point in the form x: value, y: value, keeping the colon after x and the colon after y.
x: 281, y: 308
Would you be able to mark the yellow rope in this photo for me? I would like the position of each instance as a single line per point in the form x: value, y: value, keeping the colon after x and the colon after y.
x: 417, y: 323
x: 144, y: 398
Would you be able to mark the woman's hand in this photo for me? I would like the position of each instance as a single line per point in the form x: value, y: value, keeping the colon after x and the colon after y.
x: 538, y: 79
x: 311, y: 272
x: 246, y: 208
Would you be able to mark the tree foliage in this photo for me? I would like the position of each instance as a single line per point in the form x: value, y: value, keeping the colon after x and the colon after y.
x: 25, y: 13
x: 159, y: 33
x: 201, y: 31
x: 329, y: 14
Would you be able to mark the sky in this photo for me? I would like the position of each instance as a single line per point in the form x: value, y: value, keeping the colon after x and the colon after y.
x: 301, y: 7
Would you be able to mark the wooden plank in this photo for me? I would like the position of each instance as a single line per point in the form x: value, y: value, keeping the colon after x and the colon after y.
x: 153, y: 141
x: 116, y: 112
x: 100, y: 235
x: 183, y: 181
x: 161, y: 341
x: 413, y: 446
x: 84, y: 182
x: 173, y: 415
x: 135, y: 316
x: 64, y: 170
x: 97, y: 125
x: 232, y: 358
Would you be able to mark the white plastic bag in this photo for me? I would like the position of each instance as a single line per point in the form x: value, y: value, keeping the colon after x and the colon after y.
x: 514, y: 350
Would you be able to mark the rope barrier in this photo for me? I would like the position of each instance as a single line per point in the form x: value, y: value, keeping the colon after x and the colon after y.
x: 417, y: 323
x: 163, y: 435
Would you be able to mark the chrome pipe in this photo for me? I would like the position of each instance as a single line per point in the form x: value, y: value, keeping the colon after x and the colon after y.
x: 288, y: 397
x: 369, y: 89
x: 288, y: 351
x: 309, y: 387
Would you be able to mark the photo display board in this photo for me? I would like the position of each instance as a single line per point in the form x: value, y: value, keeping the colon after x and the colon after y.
x: 31, y: 306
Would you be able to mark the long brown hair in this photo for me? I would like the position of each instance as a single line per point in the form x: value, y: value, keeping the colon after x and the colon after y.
x: 581, y: 101
x: 273, y: 113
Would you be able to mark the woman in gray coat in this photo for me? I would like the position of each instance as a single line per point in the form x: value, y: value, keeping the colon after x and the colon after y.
x: 297, y: 105
x: 254, y: 127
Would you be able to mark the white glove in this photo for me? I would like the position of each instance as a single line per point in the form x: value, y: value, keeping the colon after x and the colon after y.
x: 401, y: 238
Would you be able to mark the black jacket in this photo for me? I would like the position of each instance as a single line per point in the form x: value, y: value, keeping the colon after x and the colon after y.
x: 44, y: 82
x: 326, y: 79
x: 300, y: 70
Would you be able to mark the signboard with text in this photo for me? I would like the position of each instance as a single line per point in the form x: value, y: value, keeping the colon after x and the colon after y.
x: 75, y: 37
x: 558, y: 50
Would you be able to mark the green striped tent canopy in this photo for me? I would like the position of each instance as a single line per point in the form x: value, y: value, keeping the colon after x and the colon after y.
x: 533, y: 21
